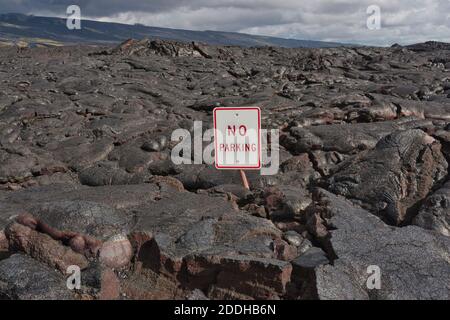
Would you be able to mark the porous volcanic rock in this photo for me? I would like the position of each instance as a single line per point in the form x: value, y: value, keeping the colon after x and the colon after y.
x: 435, y: 212
x: 87, y: 175
x: 23, y: 278
x: 394, y: 176
x: 358, y: 240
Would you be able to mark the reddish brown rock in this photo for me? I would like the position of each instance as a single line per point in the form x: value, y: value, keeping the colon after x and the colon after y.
x: 43, y: 248
x: 251, y: 277
x: 273, y: 199
x: 284, y: 251
x: 137, y: 240
x: 171, y: 181
x: 82, y: 244
x: 3, y: 241
x: 148, y: 285
x: 110, y: 286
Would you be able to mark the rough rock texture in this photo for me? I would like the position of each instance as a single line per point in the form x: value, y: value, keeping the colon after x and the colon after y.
x: 414, y: 262
x: 86, y: 176
x: 394, y: 176
x: 21, y: 277
x: 435, y: 212
x: 43, y: 248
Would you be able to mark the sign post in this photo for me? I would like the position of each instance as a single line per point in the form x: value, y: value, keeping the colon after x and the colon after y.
x: 244, y: 180
x: 237, y: 139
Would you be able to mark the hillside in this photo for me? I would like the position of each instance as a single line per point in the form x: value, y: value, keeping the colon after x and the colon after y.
x: 32, y: 30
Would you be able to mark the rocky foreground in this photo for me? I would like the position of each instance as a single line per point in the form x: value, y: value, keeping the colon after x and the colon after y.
x: 86, y: 177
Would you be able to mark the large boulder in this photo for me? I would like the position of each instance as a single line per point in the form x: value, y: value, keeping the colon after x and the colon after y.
x: 391, y: 179
x: 413, y: 262
x: 196, y: 238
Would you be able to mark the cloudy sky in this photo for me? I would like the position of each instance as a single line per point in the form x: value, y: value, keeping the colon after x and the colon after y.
x: 402, y: 21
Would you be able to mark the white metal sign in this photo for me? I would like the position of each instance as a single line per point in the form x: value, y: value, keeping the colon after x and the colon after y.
x: 237, y: 138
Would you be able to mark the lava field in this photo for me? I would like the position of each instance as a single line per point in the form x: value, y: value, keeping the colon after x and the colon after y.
x: 87, y: 180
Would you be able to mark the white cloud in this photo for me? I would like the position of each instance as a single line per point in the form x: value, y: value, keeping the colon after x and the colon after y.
x: 403, y: 21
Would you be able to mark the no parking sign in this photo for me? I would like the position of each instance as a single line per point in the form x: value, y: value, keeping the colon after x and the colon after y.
x: 237, y: 138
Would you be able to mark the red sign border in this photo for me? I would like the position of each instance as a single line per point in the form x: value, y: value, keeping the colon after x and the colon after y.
x: 259, y: 138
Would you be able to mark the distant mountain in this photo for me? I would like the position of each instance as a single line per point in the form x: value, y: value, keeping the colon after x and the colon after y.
x: 429, y: 46
x: 31, y: 30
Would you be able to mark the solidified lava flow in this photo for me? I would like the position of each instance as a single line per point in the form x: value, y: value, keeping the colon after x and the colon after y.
x: 87, y: 179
